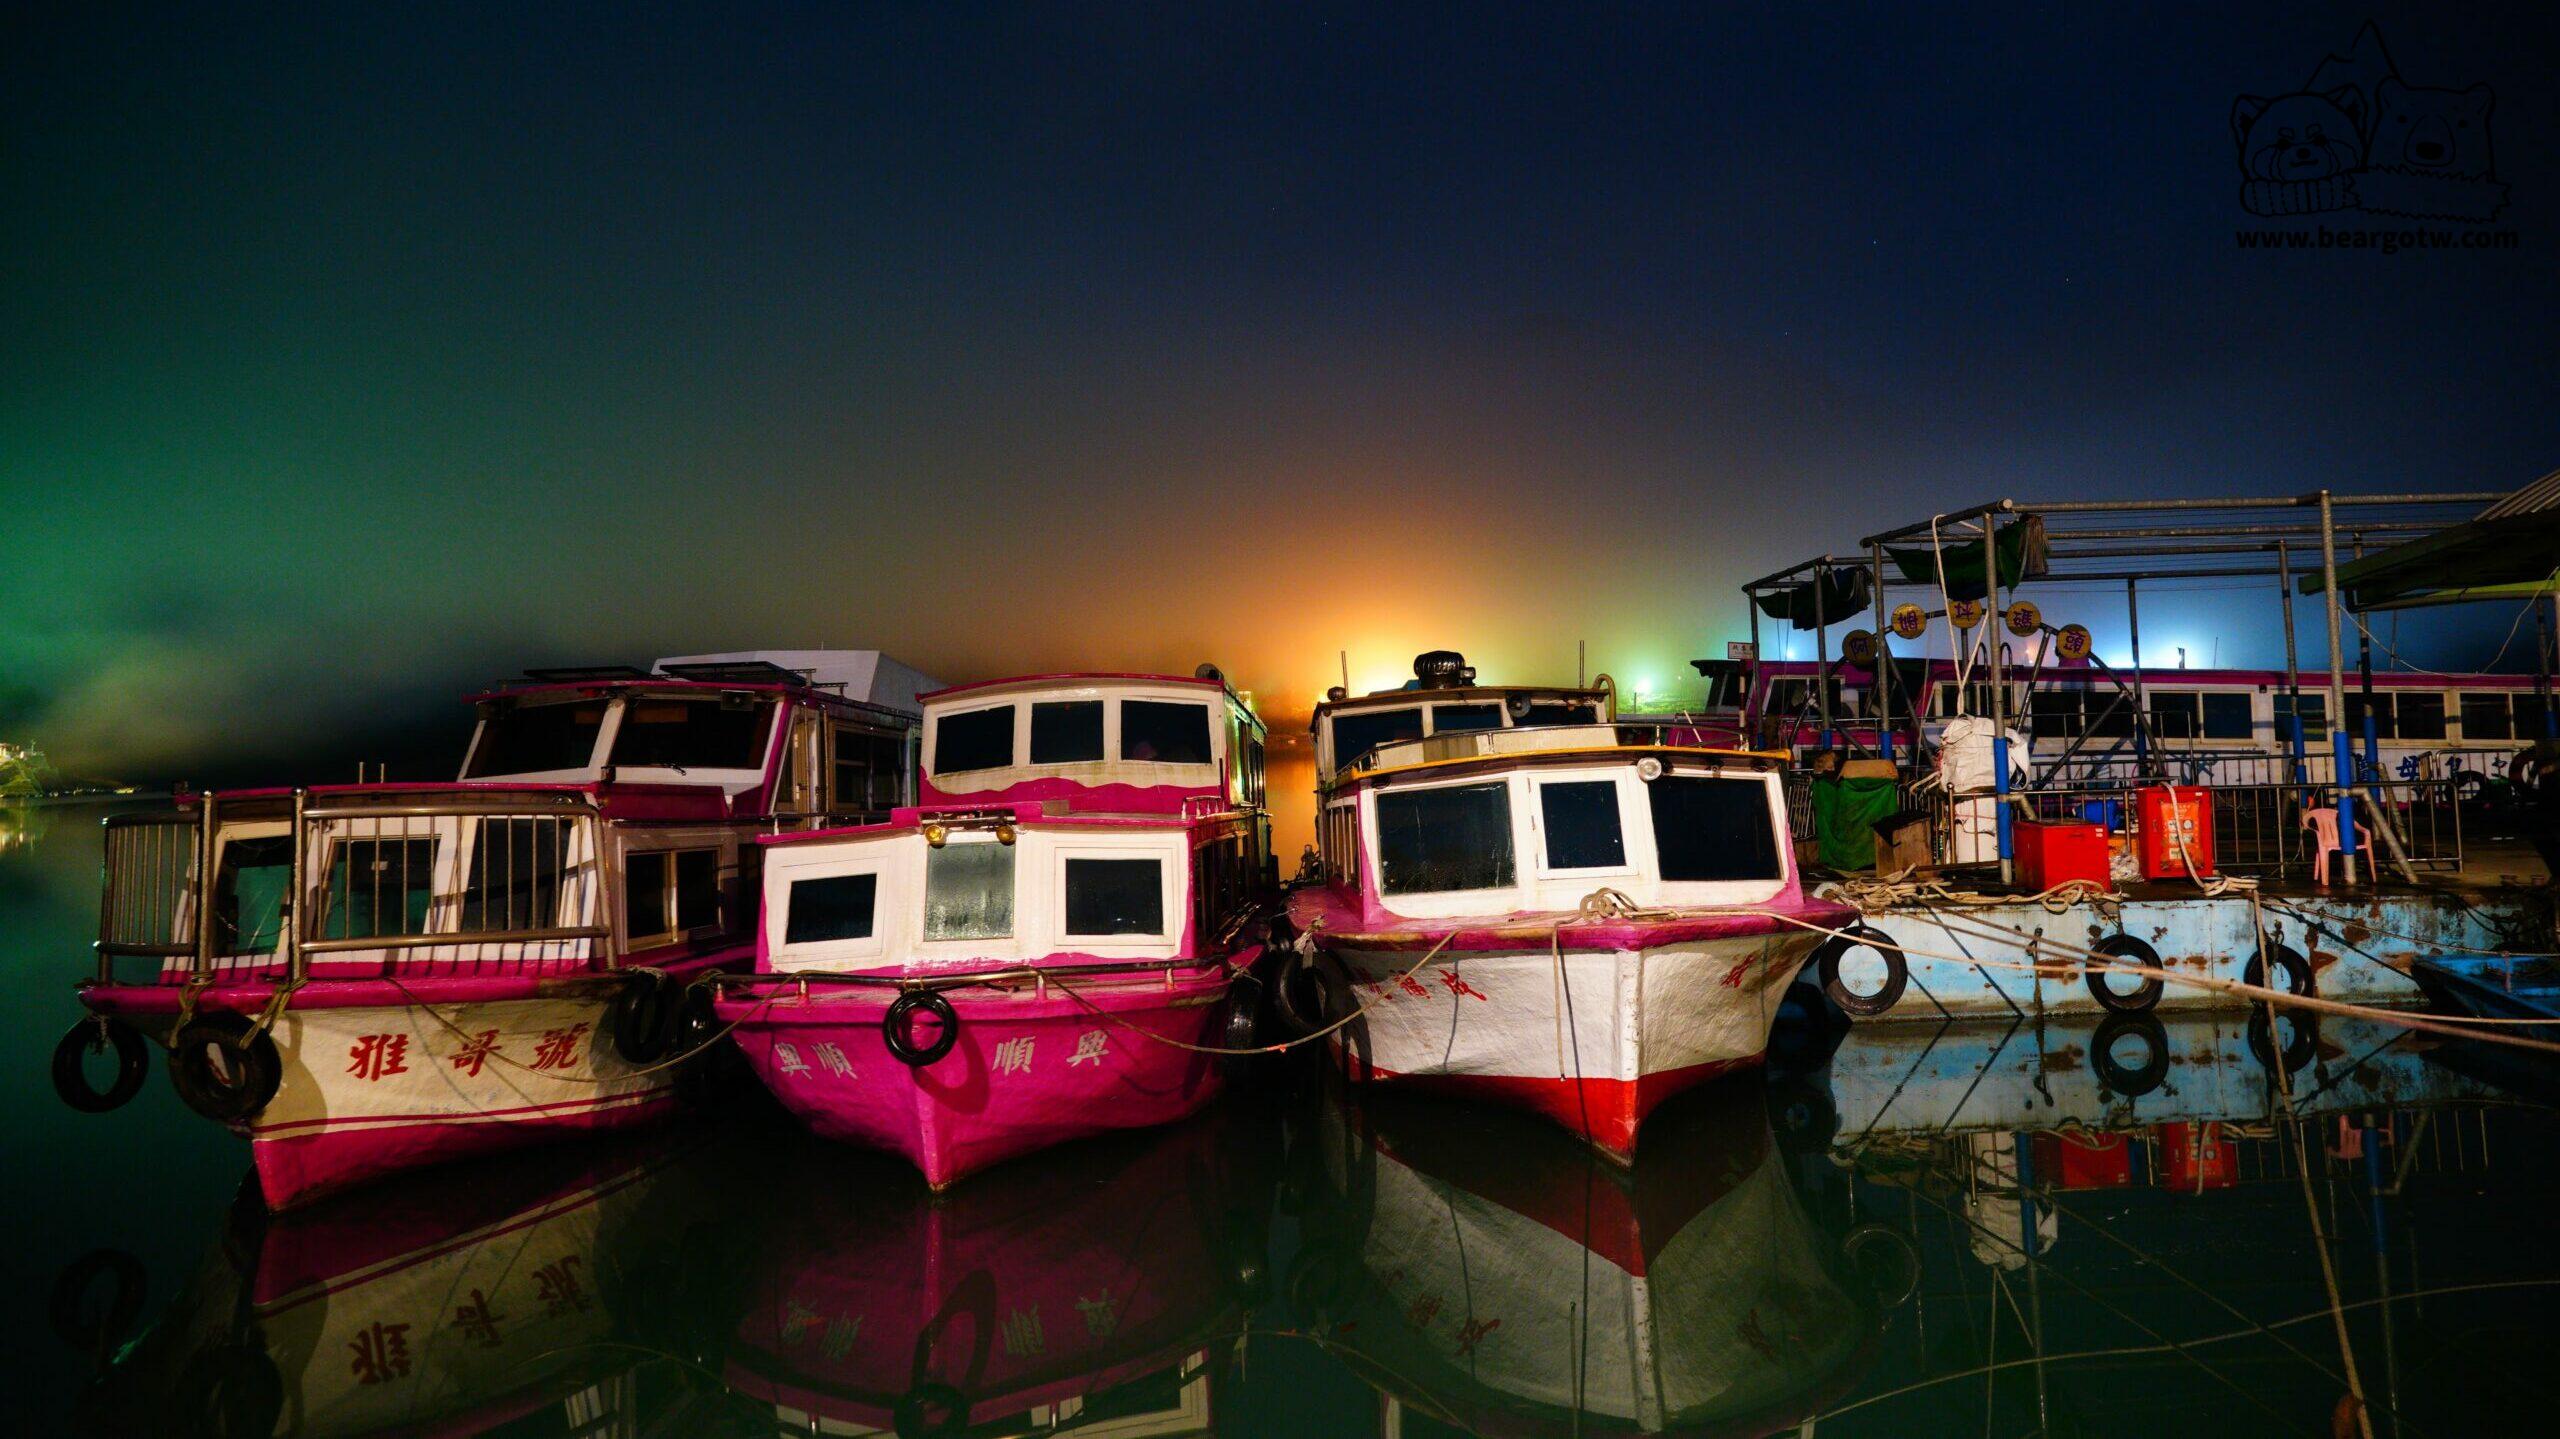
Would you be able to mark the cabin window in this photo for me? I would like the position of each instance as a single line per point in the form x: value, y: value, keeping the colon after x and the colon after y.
x: 2486, y: 717
x: 248, y: 894
x: 1356, y: 734
x: 693, y: 734
x: 973, y: 739
x: 379, y: 887
x: 868, y: 771
x: 968, y: 891
x: 2229, y: 716
x: 1580, y: 819
x: 2529, y: 717
x: 2421, y: 716
x: 1713, y: 829
x: 1115, y: 896
x: 2314, y: 710
x: 2176, y: 714
x: 1066, y: 732
x: 1431, y: 840
x: 1448, y: 719
x: 515, y: 874
x: 537, y: 738
x: 2110, y: 714
x: 1164, y: 732
x: 2054, y: 714
x: 831, y: 907
x: 2382, y: 710
x: 1550, y: 712
x: 669, y: 892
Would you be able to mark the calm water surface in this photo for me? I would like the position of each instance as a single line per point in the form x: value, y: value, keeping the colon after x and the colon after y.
x: 1837, y: 1248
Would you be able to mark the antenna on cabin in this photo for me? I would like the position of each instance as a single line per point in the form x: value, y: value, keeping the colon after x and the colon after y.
x: 1581, y: 665
x: 1346, y: 671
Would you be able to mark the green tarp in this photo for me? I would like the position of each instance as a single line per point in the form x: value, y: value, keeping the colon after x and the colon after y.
x: 2024, y: 554
x: 1845, y: 812
x: 1842, y: 594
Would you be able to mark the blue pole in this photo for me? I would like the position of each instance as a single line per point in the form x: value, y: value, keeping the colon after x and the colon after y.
x: 2301, y: 764
x: 2346, y: 796
x: 2000, y: 787
x: 2372, y: 747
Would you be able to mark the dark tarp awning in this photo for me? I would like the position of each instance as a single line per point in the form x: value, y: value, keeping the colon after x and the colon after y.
x: 1844, y: 593
x: 2024, y: 555
x: 2510, y: 551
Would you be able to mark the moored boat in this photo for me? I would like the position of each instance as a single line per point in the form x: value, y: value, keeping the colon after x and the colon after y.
x: 1542, y: 905
x: 1047, y: 948
x: 363, y: 978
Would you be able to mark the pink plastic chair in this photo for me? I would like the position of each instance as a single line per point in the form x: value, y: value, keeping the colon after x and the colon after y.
x: 2323, y: 823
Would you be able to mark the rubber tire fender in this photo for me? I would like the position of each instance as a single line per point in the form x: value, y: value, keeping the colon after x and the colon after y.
x: 2114, y: 1073
x: 1826, y: 968
x: 2298, y: 1053
x: 233, y: 1390
x: 643, y: 1015
x: 256, y: 1068
x: 66, y: 1313
x: 1892, y: 1275
x: 2144, y: 996
x: 2298, y: 976
x: 71, y: 1069
x: 902, y: 1045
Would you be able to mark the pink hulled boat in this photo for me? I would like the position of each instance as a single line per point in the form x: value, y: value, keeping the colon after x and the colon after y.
x: 1040, y: 951
x: 1541, y: 905
x: 363, y: 978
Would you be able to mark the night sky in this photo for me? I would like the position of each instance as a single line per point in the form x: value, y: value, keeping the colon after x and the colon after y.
x: 360, y: 355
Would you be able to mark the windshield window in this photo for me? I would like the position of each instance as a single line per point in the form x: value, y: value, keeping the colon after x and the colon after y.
x: 1448, y: 719
x: 1543, y: 712
x: 1441, y: 839
x: 1581, y: 821
x: 693, y: 734
x: 535, y: 738
x: 249, y: 891
x: 1356, y: 734
x: 968, y: 891
x: 976, y: 739
x: 1706, y: 829
x: 1164, y: 732
x: 1066, y: 732
x: 379, y: 887
x: 835, y: 906
x: 1115, y: 896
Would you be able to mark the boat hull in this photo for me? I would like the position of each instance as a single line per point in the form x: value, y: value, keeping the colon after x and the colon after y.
x: 1029, y: 1069
x: 1592, y: 1038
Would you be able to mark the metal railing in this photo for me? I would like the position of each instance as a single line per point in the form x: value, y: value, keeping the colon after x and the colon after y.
x: 146, y: 895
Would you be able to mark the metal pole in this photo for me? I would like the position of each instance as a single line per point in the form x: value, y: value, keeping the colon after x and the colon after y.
x: 1822, y: 649
x: 2339, y: 745
x: 2546, y: 650
x: 2292, y: 668
x: 2141, y: 705
x: 1999, y: 693
x: 2364, y: 688
x: 1752, y: 700
x: 1884, y: 665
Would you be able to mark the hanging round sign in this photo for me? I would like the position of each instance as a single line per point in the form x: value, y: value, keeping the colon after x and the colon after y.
x: 2025, y: 619
x: 1910, y: 621
x: 1964, y: 614
x: 2073, y: 642
x: 1859, y: 648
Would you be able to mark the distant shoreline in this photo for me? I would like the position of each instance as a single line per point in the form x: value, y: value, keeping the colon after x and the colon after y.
x: 33, y: 801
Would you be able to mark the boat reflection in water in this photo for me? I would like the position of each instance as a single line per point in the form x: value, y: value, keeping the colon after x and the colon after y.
x: 1485, y: 1270
x: 449, y: 1302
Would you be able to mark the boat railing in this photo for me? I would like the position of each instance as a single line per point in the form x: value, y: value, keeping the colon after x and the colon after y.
x: 146, y: 902
x: 1674, y: 732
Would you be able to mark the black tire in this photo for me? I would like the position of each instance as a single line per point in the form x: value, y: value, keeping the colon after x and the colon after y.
x: 897, y: 1027
x: 2298, y: 1051
x: 1803, y: 1115
x: 2140, y: 998
x: 72, y: 1317
x: 233, y: 1390
x: 71, y: 1065
x: 2132, y: 1079
x: 644, y: 1014
x: 2298, y: 978
x: 1826, y: 961
x: 930, y: 1410
x: 1298, y: 996
x: 1884, y: 1261
x: 1240, y: 1022
x: 224, y: 1067
x: 2470, y: 785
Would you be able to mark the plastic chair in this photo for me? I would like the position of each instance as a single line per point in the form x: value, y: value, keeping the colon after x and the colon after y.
x: 2323, y: 823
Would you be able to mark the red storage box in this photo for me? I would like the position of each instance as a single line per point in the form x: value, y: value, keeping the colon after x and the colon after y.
x: 2195, y: 1156
x: 2084, y: 1161
x: 2051, y: 854
x: 2176, y: 831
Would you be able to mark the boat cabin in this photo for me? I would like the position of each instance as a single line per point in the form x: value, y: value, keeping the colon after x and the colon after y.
x: 1443, y: 698
x: 1117, y: 743
x: 1529, y: 822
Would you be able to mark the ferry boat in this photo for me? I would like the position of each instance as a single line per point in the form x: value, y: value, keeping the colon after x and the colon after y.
x: 363, y: 978
x: 1537, y: 903
x: 1048, y: 946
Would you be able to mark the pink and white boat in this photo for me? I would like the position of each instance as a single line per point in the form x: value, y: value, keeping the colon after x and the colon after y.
x: 1041, y: 950
x: 1543, y: 906
x: 363, y: 978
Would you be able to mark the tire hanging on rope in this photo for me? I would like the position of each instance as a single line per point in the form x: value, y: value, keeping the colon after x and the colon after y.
x: 644, y: 1015
x: 897, y: 1027
x: 2130, y: 1079
x: 2145, y: 993
x: 91, y: 1036
x: 2273, y: 956
x: 87, y: 1327
x: 2298, y: 1051
x: 224, y: 1066
x: 1866, y: 1004
x: 1240, y: 1018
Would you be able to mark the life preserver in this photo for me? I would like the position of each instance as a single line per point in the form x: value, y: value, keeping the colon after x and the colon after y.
x: 224, y: 1066
x: 2130, y: 1080
x: 643, y: 1016
x: 2298, y: 1051
x: 1826, y: 961
x: 2298, y: 978
x: 897, y: 1027
x: 73, y: 1322
x: 71, y: 1065
x: 2143, y: 995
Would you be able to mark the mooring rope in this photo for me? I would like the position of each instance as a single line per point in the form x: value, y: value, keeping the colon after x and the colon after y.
x: 1357, y: 1011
